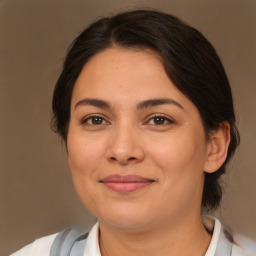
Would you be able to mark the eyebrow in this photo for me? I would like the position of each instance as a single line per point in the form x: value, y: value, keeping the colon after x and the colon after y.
x: 93, y: 102
x: 157, y: 102
x: 142, y: 105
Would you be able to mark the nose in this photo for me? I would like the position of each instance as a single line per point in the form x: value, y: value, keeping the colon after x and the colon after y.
x: 125, y: 146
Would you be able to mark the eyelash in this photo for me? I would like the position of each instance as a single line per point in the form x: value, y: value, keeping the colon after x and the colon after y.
x: 85, y: 121
x: 167, y: 120
x: 163, y: 118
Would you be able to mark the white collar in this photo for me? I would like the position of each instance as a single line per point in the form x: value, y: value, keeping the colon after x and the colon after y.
x: 92, y: 243
x: 212, y: 224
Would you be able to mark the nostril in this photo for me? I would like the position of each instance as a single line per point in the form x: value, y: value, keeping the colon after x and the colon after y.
x: 131, y: 158
x: 122, y: 160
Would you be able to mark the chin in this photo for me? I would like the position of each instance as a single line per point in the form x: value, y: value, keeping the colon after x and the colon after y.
x: 126, y: 224
x: 128, y: 220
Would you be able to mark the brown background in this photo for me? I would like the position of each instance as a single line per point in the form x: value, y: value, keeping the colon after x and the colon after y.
x: 37, y: 195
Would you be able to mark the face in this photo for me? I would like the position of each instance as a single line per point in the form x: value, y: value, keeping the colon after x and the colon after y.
x: 136, y: 145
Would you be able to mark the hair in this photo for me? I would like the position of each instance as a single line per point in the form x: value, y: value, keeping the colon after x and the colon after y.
x: 189, y: 60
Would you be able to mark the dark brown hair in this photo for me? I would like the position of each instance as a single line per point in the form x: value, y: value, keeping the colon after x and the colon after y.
x: 188, y: 58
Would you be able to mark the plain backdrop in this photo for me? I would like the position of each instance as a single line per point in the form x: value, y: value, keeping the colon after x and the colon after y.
x: 37, y: 195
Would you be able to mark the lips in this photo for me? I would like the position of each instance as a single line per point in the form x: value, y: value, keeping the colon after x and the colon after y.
x: 126, y: 183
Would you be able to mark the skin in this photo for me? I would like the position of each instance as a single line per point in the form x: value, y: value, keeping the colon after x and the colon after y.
x: 125, y: 138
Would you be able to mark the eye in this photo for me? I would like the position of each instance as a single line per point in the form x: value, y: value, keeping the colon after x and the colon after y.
x: 160, y: 120
x: 94, y: 120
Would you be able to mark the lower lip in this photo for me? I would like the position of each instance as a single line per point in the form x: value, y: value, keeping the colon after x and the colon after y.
x: 126, y: 187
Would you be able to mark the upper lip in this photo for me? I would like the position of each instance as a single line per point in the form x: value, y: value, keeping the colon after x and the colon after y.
x: 125, y: 179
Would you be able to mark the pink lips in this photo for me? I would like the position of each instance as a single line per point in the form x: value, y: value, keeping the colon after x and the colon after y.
x: 127, y: 183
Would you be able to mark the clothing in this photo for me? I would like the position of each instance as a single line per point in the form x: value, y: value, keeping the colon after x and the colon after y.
x: 242, y: 246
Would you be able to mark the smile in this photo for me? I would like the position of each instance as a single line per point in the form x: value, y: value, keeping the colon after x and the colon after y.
x: 127, y: 183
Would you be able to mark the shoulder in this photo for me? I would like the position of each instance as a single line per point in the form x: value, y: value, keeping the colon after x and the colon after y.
x: 74, y: 238
x: 224, y: 240
x: 243, y: 246
x: 40, y: 247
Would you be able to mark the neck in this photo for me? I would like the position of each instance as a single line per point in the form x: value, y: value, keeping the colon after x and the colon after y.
x: 186, y: 236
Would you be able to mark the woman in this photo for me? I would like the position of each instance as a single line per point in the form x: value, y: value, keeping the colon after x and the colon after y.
x: 145, y: 109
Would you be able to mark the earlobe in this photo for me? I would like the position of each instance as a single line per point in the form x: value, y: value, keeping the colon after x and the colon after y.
x: 217, y: 148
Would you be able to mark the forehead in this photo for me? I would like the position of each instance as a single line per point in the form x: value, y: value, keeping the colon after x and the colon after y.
x: 125, y: 76
x: 117, y: 63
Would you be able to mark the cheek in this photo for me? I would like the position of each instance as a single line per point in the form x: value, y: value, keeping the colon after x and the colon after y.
x: 177, y: 153
x: 181, y: 159
x: 83, y: 154
x: 181, y: 165
x: 84, y: 159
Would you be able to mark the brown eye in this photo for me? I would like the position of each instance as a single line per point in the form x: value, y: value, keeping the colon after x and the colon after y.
x: 160, y: 120
x: 95, y: 120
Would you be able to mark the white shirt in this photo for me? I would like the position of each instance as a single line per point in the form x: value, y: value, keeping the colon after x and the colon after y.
x: 42, y: 246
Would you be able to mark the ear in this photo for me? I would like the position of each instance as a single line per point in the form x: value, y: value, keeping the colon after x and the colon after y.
x: 217, y: 147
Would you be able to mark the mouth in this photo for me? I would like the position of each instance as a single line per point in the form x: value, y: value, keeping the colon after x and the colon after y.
x: 126, y: 183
